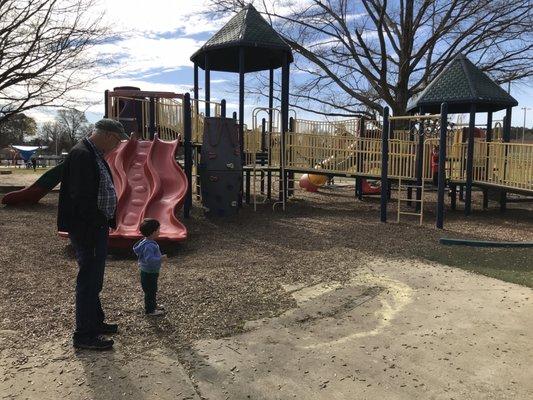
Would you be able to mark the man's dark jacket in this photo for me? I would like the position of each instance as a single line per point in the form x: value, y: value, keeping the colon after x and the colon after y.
x: 78, y: 212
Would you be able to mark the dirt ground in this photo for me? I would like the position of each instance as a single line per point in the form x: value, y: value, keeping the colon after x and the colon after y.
x: 227, y: 273
x: 19, y: 176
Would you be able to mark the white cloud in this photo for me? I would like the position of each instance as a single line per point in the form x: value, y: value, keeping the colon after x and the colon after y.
x: 42, y: 114
x: 157, y: 16
x: 153, y: 37
x: 140, y: 54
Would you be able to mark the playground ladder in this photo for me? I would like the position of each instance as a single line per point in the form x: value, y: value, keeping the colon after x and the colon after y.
x: 260, y: 175
x: 406, y: 200
x: 196, y: 163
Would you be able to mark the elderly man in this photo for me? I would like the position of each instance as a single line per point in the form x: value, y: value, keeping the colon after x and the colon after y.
x: 87, y: 205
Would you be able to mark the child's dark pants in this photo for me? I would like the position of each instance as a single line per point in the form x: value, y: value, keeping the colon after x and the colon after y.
x: 149, y: 285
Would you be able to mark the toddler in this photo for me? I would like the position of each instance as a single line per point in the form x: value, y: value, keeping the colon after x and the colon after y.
x: 147, y: 250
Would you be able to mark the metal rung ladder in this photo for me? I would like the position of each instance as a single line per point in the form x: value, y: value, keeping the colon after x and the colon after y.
x: 401, y: 199
x: 258, y: 178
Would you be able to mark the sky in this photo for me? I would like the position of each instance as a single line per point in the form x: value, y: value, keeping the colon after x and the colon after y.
x: 157, y: 38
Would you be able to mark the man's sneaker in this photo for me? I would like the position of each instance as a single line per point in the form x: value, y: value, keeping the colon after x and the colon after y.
x: 108, y: 328
x: 94, y: 343
x: 160, y: 307
x: 156, y: 313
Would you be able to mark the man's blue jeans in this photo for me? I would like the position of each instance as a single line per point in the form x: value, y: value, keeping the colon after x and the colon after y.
x: 91, y: 262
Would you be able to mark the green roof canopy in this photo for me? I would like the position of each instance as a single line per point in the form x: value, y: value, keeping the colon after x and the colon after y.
x: 264, y: 47
x: 462, y: 84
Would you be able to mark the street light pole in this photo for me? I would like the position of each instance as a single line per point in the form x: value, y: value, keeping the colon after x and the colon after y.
x: 524, y: 126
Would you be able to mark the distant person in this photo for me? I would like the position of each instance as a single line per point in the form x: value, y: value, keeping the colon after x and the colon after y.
x: 34, y: 163
x: 87, y: 206
x: 149, y: 254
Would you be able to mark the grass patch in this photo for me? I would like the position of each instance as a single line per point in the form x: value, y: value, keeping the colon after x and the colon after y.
x: 510, y: 265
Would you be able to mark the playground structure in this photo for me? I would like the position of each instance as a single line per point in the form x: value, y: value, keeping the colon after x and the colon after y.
x: 344, y: 148
x: 392, y: 149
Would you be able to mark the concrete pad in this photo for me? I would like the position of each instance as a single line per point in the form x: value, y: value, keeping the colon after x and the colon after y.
x: 397, y: 330
x: 56, y: 371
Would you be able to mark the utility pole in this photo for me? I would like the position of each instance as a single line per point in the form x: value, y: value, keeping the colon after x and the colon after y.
x: 524, y: 126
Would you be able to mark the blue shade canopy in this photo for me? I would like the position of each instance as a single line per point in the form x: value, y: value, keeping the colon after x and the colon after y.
x: 27, y: 151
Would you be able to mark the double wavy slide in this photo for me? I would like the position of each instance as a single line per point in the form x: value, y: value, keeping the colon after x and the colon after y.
x: 149, y: 184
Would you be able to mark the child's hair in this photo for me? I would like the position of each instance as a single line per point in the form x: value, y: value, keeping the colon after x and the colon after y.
x: 149, y: 226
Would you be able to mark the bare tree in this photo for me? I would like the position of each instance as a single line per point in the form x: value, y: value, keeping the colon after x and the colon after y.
x: 50, y: 135
x: 44, y: 46
x: 73, y: 125
x: 375, y: 52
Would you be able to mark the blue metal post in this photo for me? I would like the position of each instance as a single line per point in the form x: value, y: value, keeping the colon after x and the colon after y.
x: 207, y: 87
x: 488, y: 139
x: 270, y: 100
x: 195, y: 90
x: 506, y: 139
x: 241, y: 116
x: 106, y: 104
x: 223, y: 108
x: 284, y: 122
x: 384, y: 164
x: 470, y: 161
x: 359, y: 160
x: 442, y: 164
x: 187, y: 140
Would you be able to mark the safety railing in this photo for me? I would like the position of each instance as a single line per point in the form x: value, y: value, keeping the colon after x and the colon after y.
x: 252, y: 146
x: 346, y: 127
x: 137, y: 111
x: 349, y: 156
x: 502, y: 164
x: 274, y: 149
x: 507, y: 165
x: 336, y: 148
x: 402, y: 159
x: 134, y: 114
x: 169, y: 118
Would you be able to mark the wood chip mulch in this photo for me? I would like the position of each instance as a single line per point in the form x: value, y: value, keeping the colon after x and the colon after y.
x: 226, y: 273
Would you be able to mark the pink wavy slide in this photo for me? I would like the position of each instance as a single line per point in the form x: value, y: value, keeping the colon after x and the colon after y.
x: 149, y: 184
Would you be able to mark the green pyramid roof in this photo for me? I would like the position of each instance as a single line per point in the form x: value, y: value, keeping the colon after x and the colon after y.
x: 462, y: 84
x: 264, y: 47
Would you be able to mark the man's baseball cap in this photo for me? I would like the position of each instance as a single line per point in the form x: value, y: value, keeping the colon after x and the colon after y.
x: 110, y: 125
